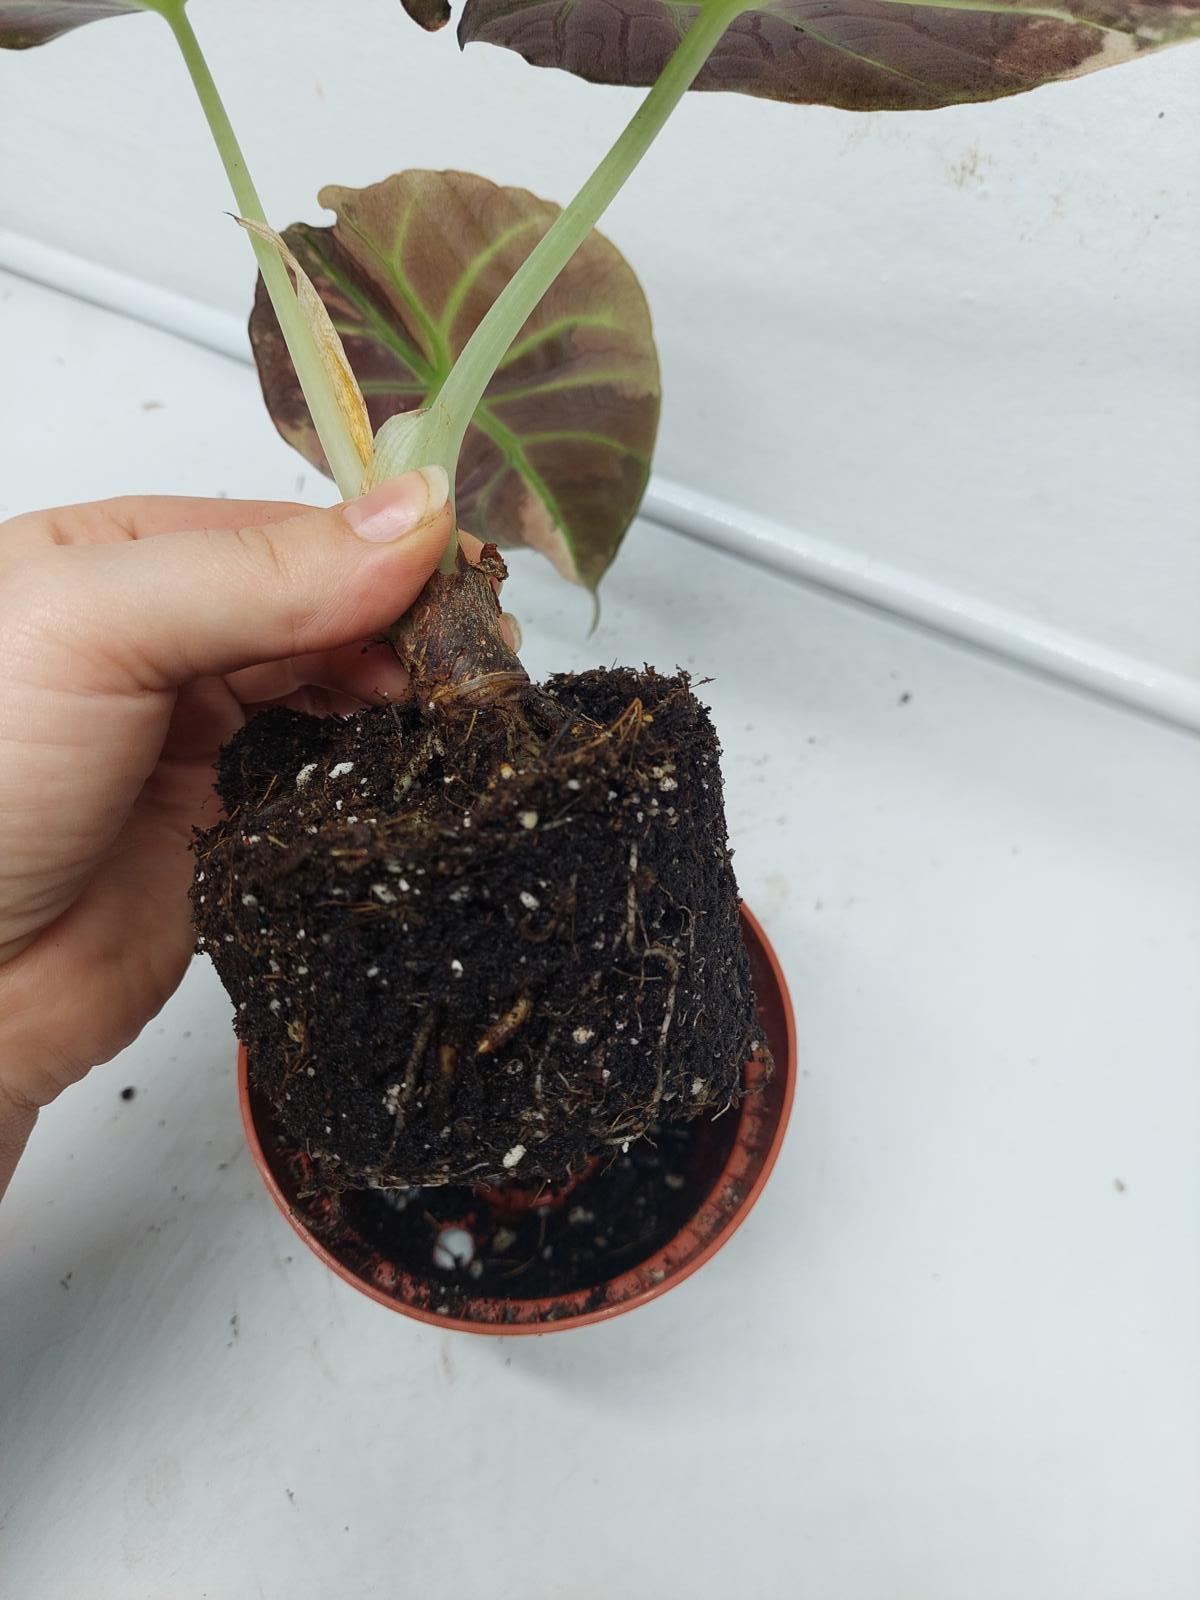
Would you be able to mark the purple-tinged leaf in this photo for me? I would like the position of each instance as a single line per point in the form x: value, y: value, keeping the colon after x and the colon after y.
x: 24, y: 23
x: 559, y: 452
x: 428, y: 14
x: 862, y: 55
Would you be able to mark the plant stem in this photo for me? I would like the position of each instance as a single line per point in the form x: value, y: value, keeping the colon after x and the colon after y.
x: 439, y: 433
x: 483, y: 352
x: 319, y: 394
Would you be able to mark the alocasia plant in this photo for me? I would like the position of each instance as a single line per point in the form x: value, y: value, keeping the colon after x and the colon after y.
x: 560, y: 463
x: 520, y: 948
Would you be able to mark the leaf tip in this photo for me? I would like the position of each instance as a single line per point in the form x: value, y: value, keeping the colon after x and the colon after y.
x: 432, y: 15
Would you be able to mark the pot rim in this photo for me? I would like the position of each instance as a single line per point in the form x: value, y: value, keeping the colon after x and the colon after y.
x: 785, y: 1069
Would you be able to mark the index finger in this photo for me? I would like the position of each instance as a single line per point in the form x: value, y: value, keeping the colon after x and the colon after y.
x: 137, y: 517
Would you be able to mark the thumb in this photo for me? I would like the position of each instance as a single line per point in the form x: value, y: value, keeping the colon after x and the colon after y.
x: 162, y: 611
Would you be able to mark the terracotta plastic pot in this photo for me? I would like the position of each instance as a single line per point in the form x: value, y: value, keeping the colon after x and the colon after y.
x: 729, y: 1175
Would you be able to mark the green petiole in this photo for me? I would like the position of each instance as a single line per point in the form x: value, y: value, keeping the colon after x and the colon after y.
x: 436, y: 434
x: 340, y: 450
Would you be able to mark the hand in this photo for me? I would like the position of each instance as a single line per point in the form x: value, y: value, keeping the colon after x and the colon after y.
x: 135, y: 635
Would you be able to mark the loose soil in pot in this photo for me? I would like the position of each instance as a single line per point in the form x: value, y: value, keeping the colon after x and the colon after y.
x: 487, y: 934
x: 474, y: 1241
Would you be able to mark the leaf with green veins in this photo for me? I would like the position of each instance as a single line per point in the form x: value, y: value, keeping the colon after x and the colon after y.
x: 24, y: 23
x: 861, y: 55
x: 559, y: 452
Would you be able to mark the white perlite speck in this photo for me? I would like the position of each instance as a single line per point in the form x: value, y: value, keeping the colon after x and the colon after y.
x: 513, y: 1156
x: 250, y: 900
x: 583, y: 1035
x: 528, y: 819
x: 529, y: 901
x: 453, y: 1247
x: 305, y: 774
x: 383, y: 893
x: 456, y: 967
x: 697, y: 1085
x: 341, y: 769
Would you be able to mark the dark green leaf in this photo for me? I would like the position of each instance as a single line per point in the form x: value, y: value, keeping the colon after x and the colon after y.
x: 28, y: 22
x: 560, y: 449
x: 863, y: 55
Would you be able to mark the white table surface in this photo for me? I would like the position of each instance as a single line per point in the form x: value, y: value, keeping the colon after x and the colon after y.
x: 953, y: 1355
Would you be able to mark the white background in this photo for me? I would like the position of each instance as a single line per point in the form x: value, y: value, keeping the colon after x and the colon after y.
x: 953, y: 1353
x: 965, y: 341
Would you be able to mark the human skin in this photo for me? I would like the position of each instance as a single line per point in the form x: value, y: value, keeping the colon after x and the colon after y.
x: 135, y: 636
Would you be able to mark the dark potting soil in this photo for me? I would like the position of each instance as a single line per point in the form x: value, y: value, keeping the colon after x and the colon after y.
x: 460, y: 951
x: 469, y: 1242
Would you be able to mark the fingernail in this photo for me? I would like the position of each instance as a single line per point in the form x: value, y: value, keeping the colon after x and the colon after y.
x: 399, y: 506
x: 512, y: 629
